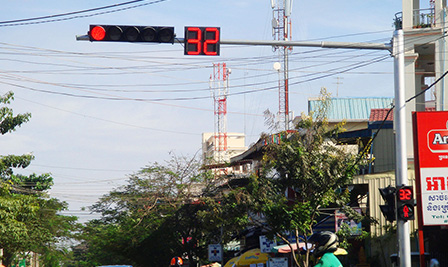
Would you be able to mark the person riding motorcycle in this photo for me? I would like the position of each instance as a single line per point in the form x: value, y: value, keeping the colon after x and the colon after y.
x: 325, y: 244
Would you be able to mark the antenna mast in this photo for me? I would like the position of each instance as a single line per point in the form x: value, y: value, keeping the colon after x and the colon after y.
x: 281, y: 31
x: 219, y: 85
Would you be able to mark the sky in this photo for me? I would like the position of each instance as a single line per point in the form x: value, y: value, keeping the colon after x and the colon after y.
x: 102, y: 111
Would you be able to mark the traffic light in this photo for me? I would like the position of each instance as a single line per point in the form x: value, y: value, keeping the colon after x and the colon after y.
x: 405, y: 203
x: 388, y: 210
x: 202, y: 41
x: 121, y: 33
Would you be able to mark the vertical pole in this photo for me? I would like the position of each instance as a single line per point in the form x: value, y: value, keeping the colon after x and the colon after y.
x: 222, y: 248
x: 286, y: 76
x: 403, y: 236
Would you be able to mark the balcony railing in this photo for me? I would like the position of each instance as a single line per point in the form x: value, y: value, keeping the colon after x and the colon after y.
x: 422, y: 18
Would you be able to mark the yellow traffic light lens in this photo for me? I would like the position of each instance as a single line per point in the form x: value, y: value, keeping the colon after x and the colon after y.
x: 114, y: 33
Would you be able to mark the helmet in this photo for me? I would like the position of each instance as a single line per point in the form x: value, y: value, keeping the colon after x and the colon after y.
x: 434, y: 263
x: 324, y: 242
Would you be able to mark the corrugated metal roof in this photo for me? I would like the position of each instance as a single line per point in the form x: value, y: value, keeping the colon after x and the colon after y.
x: 351, y: 108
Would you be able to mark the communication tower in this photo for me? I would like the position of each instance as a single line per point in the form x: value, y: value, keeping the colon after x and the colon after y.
x: 219, y: 87
x: 281, y: 31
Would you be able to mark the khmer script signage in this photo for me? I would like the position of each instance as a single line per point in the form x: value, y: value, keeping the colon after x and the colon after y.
x: 431, y: 166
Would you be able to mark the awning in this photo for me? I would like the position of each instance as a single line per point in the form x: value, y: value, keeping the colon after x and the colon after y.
x: 252, y: 256
x: 286, y: 249
x: 232, y: 262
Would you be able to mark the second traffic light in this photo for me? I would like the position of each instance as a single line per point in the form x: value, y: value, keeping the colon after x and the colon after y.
x: 122, y: 33
x: 405, y: 203
x: 388, y: 210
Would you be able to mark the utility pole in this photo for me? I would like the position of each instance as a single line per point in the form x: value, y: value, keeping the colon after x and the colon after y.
x: 338, y: 82
x: 401, y: 170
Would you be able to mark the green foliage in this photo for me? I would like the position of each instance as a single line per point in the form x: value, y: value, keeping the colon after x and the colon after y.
x: 311, y: 164
x: 8, y: 122
x: 160, y: 213
x: 7, y: 163
x: 29, y: 220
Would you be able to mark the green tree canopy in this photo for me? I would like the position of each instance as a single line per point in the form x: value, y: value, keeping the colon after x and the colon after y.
x: 311, y: 164
x: 29, y: 219
x: 164, y: 210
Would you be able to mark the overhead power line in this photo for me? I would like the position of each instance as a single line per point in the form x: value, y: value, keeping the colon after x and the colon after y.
x: 364, y: 152
x: 60, y: 17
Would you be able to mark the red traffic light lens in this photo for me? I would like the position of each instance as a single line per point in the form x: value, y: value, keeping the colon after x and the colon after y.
x: 97, y: 33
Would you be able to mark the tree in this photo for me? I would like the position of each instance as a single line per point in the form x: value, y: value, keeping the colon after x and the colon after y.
x: 31, y: 223
x: 29, y: 219
x: 311, y: 164
x: 141, y: 221
x: 164, y: 210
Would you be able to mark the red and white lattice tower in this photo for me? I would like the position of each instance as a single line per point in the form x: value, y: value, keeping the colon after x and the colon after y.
x: 219, y: 86
x: 281, y: 26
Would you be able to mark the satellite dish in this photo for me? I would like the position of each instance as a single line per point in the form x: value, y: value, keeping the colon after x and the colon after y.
x: 277, y: 66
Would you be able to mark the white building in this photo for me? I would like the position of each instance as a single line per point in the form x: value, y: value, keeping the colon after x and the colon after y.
x: 215, y: 154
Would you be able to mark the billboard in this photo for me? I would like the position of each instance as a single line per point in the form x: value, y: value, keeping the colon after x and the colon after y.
x: 431, y: 166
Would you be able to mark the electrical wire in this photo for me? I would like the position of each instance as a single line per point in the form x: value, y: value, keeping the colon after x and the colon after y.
x: 334, y: 72
x: 51, y: 18
x: 114, y: 122
x: 364, y: 152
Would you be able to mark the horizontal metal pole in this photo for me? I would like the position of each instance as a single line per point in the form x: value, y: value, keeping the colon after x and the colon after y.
x: 82, y: 38
x: 347, y: 45
x: 376, y: 46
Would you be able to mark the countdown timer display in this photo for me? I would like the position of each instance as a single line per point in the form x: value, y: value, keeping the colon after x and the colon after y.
x: 202, y: 41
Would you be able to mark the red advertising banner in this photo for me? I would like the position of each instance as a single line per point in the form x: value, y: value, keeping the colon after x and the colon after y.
x: 431, y: 166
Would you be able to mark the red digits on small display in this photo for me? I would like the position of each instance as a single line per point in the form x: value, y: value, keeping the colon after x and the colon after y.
x: 212, y: 42
x: 196, y: 41
x: 202, y: 41
x: 405, y: 194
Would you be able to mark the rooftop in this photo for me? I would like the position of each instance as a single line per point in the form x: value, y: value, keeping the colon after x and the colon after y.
x: 351, y: 108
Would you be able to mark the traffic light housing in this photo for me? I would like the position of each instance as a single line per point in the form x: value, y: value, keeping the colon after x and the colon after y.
x: 388, y: 210
x: 405, y: 203
x: 126, y: 33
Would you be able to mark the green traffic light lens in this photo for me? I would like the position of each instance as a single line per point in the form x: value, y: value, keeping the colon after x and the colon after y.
x: 149, y: 34
x: 166, y: 35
